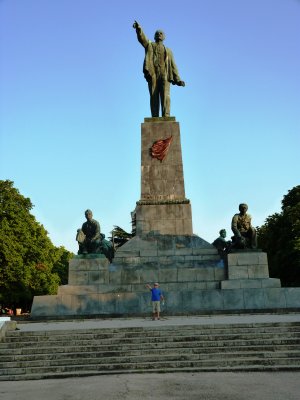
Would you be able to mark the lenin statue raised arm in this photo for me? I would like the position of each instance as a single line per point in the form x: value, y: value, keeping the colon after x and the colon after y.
x: 159, y: 70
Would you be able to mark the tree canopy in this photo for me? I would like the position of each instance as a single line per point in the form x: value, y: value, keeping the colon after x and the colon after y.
x: 280, y: 238
x: 29, y: 263
x: 120, y: 237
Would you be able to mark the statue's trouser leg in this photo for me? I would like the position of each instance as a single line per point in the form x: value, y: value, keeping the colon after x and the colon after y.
x: 154, y: 97
x: 96, y: 246
x: 253, y: 238
x: 164, y: 89
x: 81, y: 249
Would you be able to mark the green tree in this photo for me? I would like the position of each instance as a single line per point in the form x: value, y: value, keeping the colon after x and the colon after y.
x: 27, y: 256
x: 119, y: 236
x: 280, y: 238
x: 61, y: 258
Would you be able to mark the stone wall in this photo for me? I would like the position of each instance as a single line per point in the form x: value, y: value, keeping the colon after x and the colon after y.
x: 99, y: 288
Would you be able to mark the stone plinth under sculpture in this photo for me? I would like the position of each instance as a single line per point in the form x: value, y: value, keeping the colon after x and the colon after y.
x: 190, y: 271
x: 163, y: 207
x: 99, y: 288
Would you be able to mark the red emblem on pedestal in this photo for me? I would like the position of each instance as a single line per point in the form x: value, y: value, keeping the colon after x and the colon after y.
x: 160, y: 148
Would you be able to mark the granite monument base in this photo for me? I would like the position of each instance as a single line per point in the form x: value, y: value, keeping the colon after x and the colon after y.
x: 193, y: 278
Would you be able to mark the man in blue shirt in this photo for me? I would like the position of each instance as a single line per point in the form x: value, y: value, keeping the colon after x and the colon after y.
x: 156, y: 298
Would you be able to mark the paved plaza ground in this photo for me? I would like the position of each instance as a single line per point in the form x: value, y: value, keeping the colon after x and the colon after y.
x: 183, y: 386
x: 102, y: 323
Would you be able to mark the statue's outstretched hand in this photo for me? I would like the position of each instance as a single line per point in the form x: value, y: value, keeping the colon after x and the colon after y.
x: 135, y: 25
x: 181, y: 83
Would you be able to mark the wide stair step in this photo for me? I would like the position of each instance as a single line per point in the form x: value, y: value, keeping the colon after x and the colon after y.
x: 69, y: 353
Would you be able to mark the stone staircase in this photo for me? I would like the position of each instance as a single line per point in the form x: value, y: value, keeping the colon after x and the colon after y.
x: 189, y: 348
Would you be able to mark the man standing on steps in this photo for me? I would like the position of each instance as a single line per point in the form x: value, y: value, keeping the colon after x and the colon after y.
x: 159, y: 70
x: 156, y: 298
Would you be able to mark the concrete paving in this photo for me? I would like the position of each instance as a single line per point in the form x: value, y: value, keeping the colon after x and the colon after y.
x: 183, y: 386
x: 164, y: 321
x: 189, y: 386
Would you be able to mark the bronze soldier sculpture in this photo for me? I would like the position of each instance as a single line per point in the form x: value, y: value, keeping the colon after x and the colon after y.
x: 221, y: 244
x: 159, y: 70
x: 244, y: 233
x: 91, y: 240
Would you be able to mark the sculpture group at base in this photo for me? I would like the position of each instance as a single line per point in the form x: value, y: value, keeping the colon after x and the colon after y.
x: 244, y: 234
x: 91, y: 240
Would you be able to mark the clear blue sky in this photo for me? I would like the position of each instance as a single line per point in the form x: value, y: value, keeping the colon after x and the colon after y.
x: 73, y: 98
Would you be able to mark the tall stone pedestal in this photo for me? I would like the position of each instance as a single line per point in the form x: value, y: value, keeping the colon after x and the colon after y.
x: 163, y: 207
x: 192, y: 275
